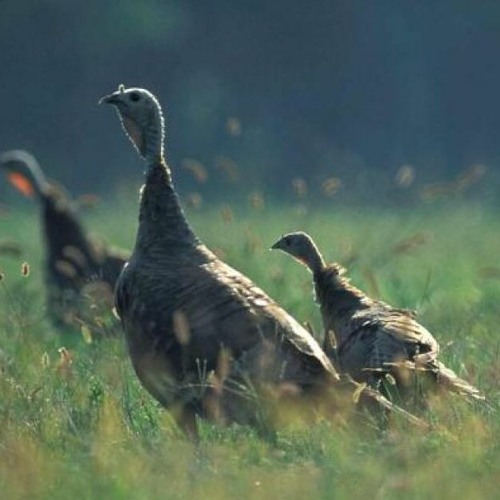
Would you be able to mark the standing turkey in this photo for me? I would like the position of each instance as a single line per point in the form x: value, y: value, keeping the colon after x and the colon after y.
x: 203, y: 339
x: 372, y: 338
x: 75, y: 265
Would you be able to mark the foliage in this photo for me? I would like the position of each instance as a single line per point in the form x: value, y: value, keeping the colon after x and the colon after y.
x: 75, y: 421
x: 321, y: 88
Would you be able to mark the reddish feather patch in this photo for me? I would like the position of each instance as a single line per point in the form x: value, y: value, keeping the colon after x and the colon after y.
x: 21, y: 183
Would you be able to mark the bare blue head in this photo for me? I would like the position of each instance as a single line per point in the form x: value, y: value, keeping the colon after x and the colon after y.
x: 142, y: 120
x: 302, y: 248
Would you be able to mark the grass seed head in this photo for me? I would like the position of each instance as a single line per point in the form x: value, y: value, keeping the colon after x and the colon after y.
x: 227, y: 214
x: 45, y: 359
x: 65, y: 362
x: 196, y: 168
x: 257, y: 200
x: 405, y: 176
x: 228, y: 168
x: 88, y: 200
x: 299, y: 187
x: 86, y: 334
x: 194, y: 200
x: 181, y: 328
x: 25, y: 269
x: 330, y: 186
x: 234, y: 127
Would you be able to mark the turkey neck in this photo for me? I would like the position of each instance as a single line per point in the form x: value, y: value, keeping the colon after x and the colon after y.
x: 335, y: 292
x: 40, y: 185
x: 315, y: 262
x: 161, y: 218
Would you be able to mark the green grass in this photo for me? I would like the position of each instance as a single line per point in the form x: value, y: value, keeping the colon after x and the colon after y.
x: 86, y: 429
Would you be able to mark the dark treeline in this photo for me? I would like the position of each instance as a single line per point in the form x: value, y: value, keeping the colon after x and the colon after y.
x: 282, y: 88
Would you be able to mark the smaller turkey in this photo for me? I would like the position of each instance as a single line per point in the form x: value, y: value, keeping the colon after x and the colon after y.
x: 76, y: 267
x: 372, y: 339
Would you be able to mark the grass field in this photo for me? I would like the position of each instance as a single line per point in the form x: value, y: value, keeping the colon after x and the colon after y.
x: 77, y: 424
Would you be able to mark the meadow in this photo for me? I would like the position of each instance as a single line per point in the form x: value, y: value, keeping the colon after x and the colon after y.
x: 74, y: 421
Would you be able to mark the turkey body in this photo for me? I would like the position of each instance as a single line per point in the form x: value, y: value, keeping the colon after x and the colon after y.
x: 372, y: 338
x: 73, y: 260
x: 370, y: 335
x: 181, y: 307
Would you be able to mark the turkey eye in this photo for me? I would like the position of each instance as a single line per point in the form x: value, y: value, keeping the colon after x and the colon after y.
x: 134, y: 96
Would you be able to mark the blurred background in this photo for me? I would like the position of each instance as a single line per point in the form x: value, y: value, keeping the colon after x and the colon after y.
x: 350, y: 98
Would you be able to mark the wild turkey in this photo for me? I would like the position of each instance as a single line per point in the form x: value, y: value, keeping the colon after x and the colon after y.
x: 203, y: 339
x: 372, y: 338
x: 75, y: 265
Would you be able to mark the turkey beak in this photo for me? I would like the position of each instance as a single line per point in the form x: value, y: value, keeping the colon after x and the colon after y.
x: 276, y: 246
x: 110, y: 99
